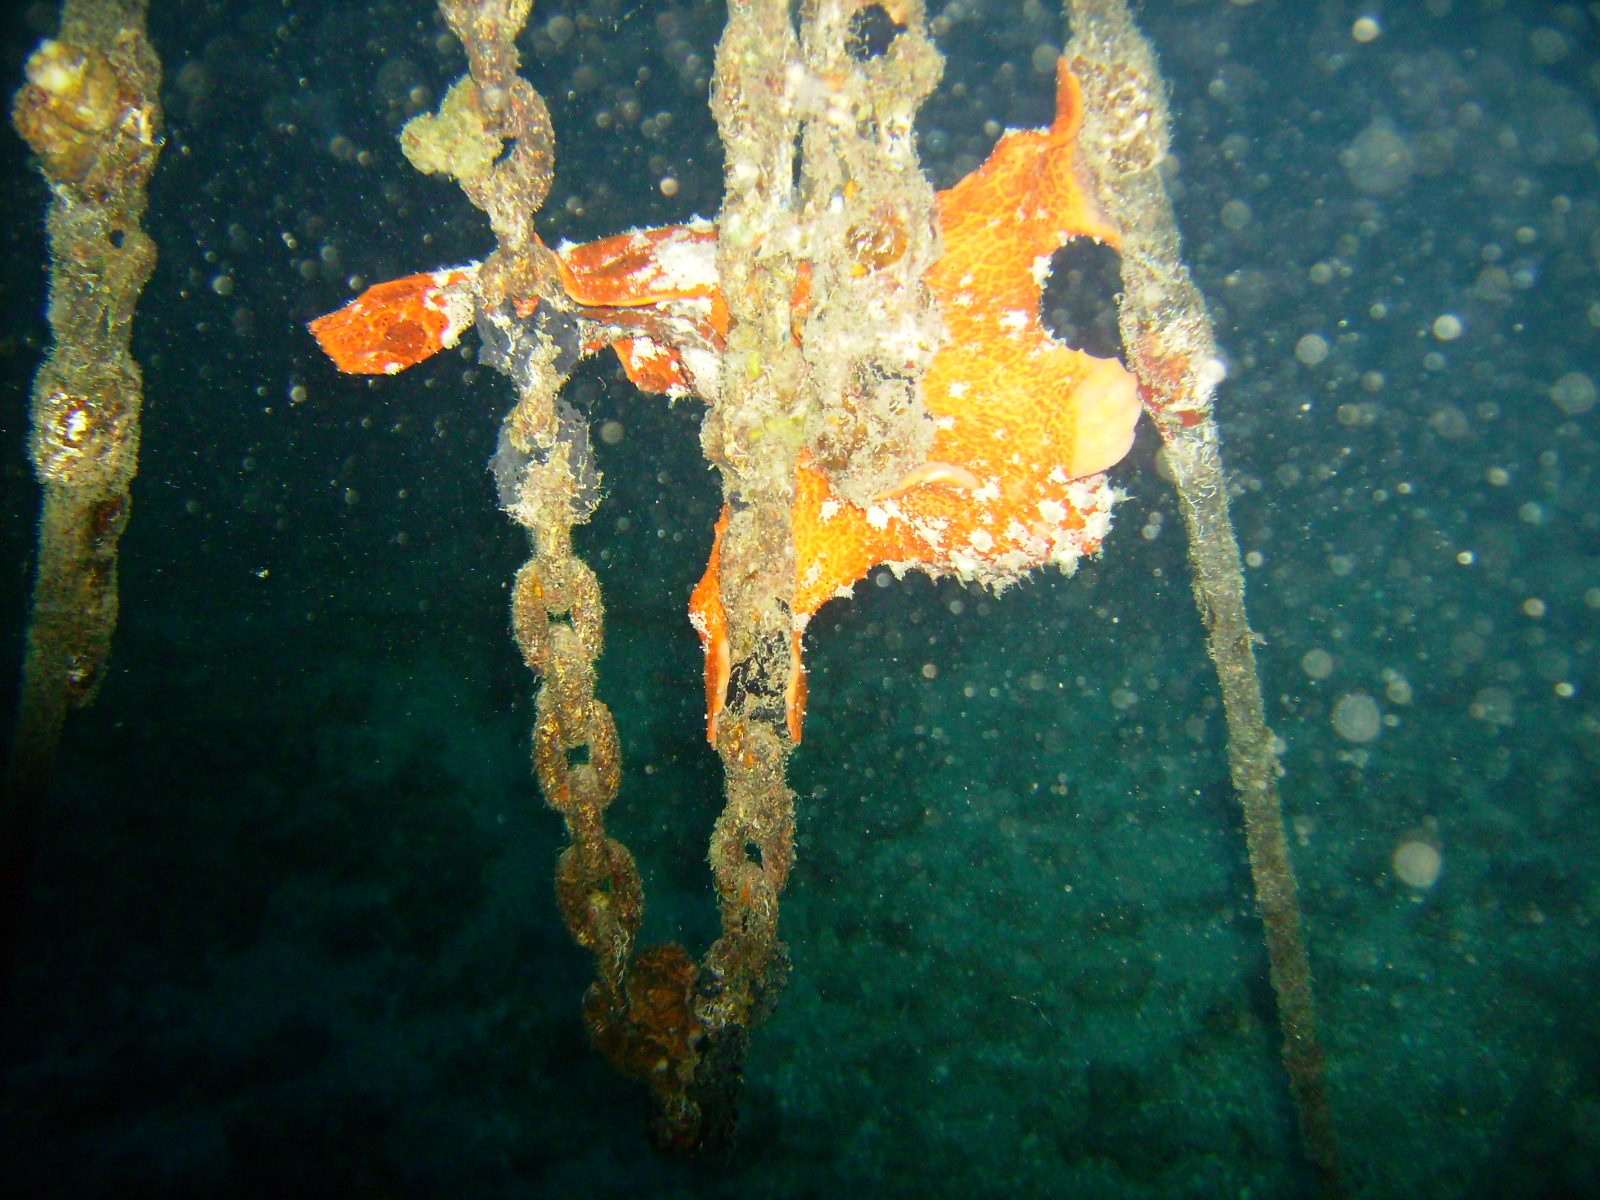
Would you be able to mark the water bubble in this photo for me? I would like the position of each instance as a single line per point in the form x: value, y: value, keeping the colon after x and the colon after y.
x: 1311, y: 349
x: 1548, y: 45
x: 1317, y: 664
x: 1356, y: 717
x: 1447, y: 328
x: 559, y: 29
x: 1493, y: 706
x: 1379, y: 160
x: 1449, y: 422
x: 1417, y: 863
x: 1574, y: 393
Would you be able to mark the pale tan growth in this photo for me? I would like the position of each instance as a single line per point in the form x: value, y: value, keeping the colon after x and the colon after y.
x: 1107, y: 413
x: 452, y: 141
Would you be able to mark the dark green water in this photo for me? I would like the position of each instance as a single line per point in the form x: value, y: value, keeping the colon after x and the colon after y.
x: 293, y: 932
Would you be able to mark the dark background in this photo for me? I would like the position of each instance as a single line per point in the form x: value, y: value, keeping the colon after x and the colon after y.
x: 293, y: 932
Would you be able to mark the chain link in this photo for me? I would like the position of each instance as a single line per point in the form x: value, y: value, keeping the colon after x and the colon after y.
x: 680, y: 1028
x: 640, y: 1008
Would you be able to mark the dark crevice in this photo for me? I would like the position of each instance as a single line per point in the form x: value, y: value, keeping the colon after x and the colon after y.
x: 872, y: 32
x: 1079, y: 302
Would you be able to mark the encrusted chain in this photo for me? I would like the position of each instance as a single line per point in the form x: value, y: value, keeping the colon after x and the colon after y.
x: 682, y: 1028
x: 639, y: 1009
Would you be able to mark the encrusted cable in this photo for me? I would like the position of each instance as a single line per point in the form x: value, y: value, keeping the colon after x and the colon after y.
x: 1171, y: 348
x: 90, y: 112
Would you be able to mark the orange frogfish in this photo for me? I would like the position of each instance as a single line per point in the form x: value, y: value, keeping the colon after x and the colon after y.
x: 1025, y: 425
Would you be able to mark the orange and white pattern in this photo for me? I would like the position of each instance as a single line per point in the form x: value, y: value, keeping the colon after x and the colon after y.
x: 1025, y: 425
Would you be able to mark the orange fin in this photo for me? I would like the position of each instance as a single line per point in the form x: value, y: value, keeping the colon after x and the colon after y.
x: 652, y: 366
x: 710, y: 621
x: 642, y: 267
x: 395, y: 325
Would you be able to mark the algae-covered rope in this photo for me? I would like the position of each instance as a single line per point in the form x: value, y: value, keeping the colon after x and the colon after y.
x: 90, y: 112
x: 1171, y: 348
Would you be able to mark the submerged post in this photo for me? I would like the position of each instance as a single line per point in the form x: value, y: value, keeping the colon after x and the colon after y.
x: 90, y: 112
x: 1171, y: 349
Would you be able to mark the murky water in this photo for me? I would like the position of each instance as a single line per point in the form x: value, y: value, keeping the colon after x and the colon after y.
x: 293, y: 929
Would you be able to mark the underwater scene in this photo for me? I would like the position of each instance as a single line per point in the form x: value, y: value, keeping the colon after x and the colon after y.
x: 288, y: 927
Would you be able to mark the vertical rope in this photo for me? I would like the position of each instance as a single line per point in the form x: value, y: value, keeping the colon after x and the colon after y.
x: 1172, y: 350
x: 90, y: 112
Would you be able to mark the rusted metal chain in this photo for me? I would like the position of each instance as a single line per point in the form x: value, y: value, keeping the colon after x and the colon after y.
x: 638, y: 1009
x: 752, y: 433
x: 802, y: 374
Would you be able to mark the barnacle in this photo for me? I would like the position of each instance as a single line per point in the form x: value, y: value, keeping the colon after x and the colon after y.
x: 877, y: 245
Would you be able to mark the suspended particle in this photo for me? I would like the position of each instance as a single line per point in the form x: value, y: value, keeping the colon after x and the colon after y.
x: 1311, y: 349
